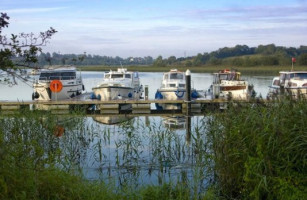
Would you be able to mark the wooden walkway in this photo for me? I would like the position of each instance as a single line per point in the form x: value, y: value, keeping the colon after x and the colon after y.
x: 112, y: 107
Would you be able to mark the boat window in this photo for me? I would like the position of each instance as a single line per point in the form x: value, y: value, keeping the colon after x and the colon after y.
x: 117, y: 75
x: 107, y: 76
x: 176, y: 76
x: 276, y: 82
x: 136, y: 74
x: 299, y: 75
x: 165, y: 76
x: 282, y: 78
x: 50, y: 76
x: 181, y: 85
x: 223, y: 76
x: 127, y: 75
x: 68, y: 75
x: 172, y: 85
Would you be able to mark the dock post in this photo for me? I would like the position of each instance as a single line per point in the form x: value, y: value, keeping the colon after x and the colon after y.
x: 146, y: 92
x: 188, y: 90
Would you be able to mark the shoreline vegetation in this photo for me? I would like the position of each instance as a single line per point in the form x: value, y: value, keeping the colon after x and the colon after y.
x: 255, y: 151
x: 257, y: 70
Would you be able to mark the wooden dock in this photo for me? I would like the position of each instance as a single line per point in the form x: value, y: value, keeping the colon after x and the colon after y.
x: 111, y: 107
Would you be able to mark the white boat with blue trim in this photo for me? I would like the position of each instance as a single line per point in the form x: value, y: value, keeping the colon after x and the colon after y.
x: 173, y: 86
x: 120, y: 84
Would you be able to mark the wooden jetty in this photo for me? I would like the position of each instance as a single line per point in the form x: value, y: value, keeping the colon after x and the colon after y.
x: 112, y: 107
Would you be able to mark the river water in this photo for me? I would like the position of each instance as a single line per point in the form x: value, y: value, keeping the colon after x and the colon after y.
x: 200, y: 81
x: 140, y: 150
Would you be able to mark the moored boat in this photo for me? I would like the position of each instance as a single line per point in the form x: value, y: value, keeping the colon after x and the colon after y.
x: 173, y: 87
x: 58, y: 83
x: 227, y: 84
x: 292, y: 83
x: 120, y: 84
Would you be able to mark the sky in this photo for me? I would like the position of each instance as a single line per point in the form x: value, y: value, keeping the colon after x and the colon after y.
x: 140, y: 28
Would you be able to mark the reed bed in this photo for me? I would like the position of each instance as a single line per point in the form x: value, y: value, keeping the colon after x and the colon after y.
x: 260, y: 151
x: 255, y: 151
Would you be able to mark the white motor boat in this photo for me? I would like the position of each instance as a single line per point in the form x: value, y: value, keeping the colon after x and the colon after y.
x: 58, y: 83
x: 120, y: 84
x: 228, y: 84
x: 174, y: 86
x: 293, y: 83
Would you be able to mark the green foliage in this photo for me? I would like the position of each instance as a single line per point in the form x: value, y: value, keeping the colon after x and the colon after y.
x: 260, y: 151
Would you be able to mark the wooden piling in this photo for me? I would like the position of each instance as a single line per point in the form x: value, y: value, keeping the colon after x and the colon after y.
x: 188, y: 90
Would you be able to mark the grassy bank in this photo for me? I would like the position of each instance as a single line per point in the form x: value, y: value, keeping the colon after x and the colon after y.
x: 260, y: 151
x: 259, y: 70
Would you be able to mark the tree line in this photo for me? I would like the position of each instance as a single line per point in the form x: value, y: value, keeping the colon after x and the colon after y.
x: 240, y: 55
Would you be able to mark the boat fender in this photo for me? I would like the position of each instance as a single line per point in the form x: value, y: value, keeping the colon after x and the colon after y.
x: 99, y: 97
x: 93, y: 96
x: 179, y: 94
x: 130, y: 95
x: 158, y: 95
x: 83, y: 88
x: 35, y: 95
x: 194, y: 94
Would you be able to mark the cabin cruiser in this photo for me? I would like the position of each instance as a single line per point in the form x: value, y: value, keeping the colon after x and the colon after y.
x: 228, y: 84
x: 58, y: 83
x: 293, y: 83
x: 174, y: 86
x: 120, y: 84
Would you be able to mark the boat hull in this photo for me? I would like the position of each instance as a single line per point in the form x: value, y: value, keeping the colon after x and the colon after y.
x: 42, y: 92
x: 115, y: 93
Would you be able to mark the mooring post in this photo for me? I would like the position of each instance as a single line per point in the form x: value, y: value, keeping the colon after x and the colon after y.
x: 188, y: 103
x: 188, y: 90
x: 146, y: 92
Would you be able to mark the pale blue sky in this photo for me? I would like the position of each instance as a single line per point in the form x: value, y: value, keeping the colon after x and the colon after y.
x: 162, y: 27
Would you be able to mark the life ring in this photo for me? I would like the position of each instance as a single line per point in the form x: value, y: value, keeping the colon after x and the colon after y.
x: 56, y: 86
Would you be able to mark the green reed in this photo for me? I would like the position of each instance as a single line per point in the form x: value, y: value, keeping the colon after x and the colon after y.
x: 39, y: 161
x: 260, y: 151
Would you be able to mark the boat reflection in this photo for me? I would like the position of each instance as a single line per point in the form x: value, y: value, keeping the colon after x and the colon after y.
x: 174, y: 122
x: 111, y: 119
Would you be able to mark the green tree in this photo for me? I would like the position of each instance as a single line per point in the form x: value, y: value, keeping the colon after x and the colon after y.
x: 19, y: 51
x: 302, y: 59
x: 159, y: 62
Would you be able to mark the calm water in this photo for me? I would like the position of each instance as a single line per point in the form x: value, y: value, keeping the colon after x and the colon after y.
x: 141, y: 150
x: 200, y: 81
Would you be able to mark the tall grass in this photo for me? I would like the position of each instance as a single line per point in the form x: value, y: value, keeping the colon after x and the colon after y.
x: 39, y: 162
x: 260, y: 151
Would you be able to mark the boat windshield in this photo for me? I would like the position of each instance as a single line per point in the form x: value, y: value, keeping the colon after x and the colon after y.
x: 176, y: 76
x: 57, y: 75
x: 114, y: 76
x: 297, y: 76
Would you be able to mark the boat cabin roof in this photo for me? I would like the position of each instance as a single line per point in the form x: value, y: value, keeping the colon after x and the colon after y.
x: 226, y: 74
x: 174, y: 74
x: 120, y: 73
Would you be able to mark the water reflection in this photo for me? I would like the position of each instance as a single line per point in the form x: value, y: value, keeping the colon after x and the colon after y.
x: 104, y: 119
x: 174, y: 122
